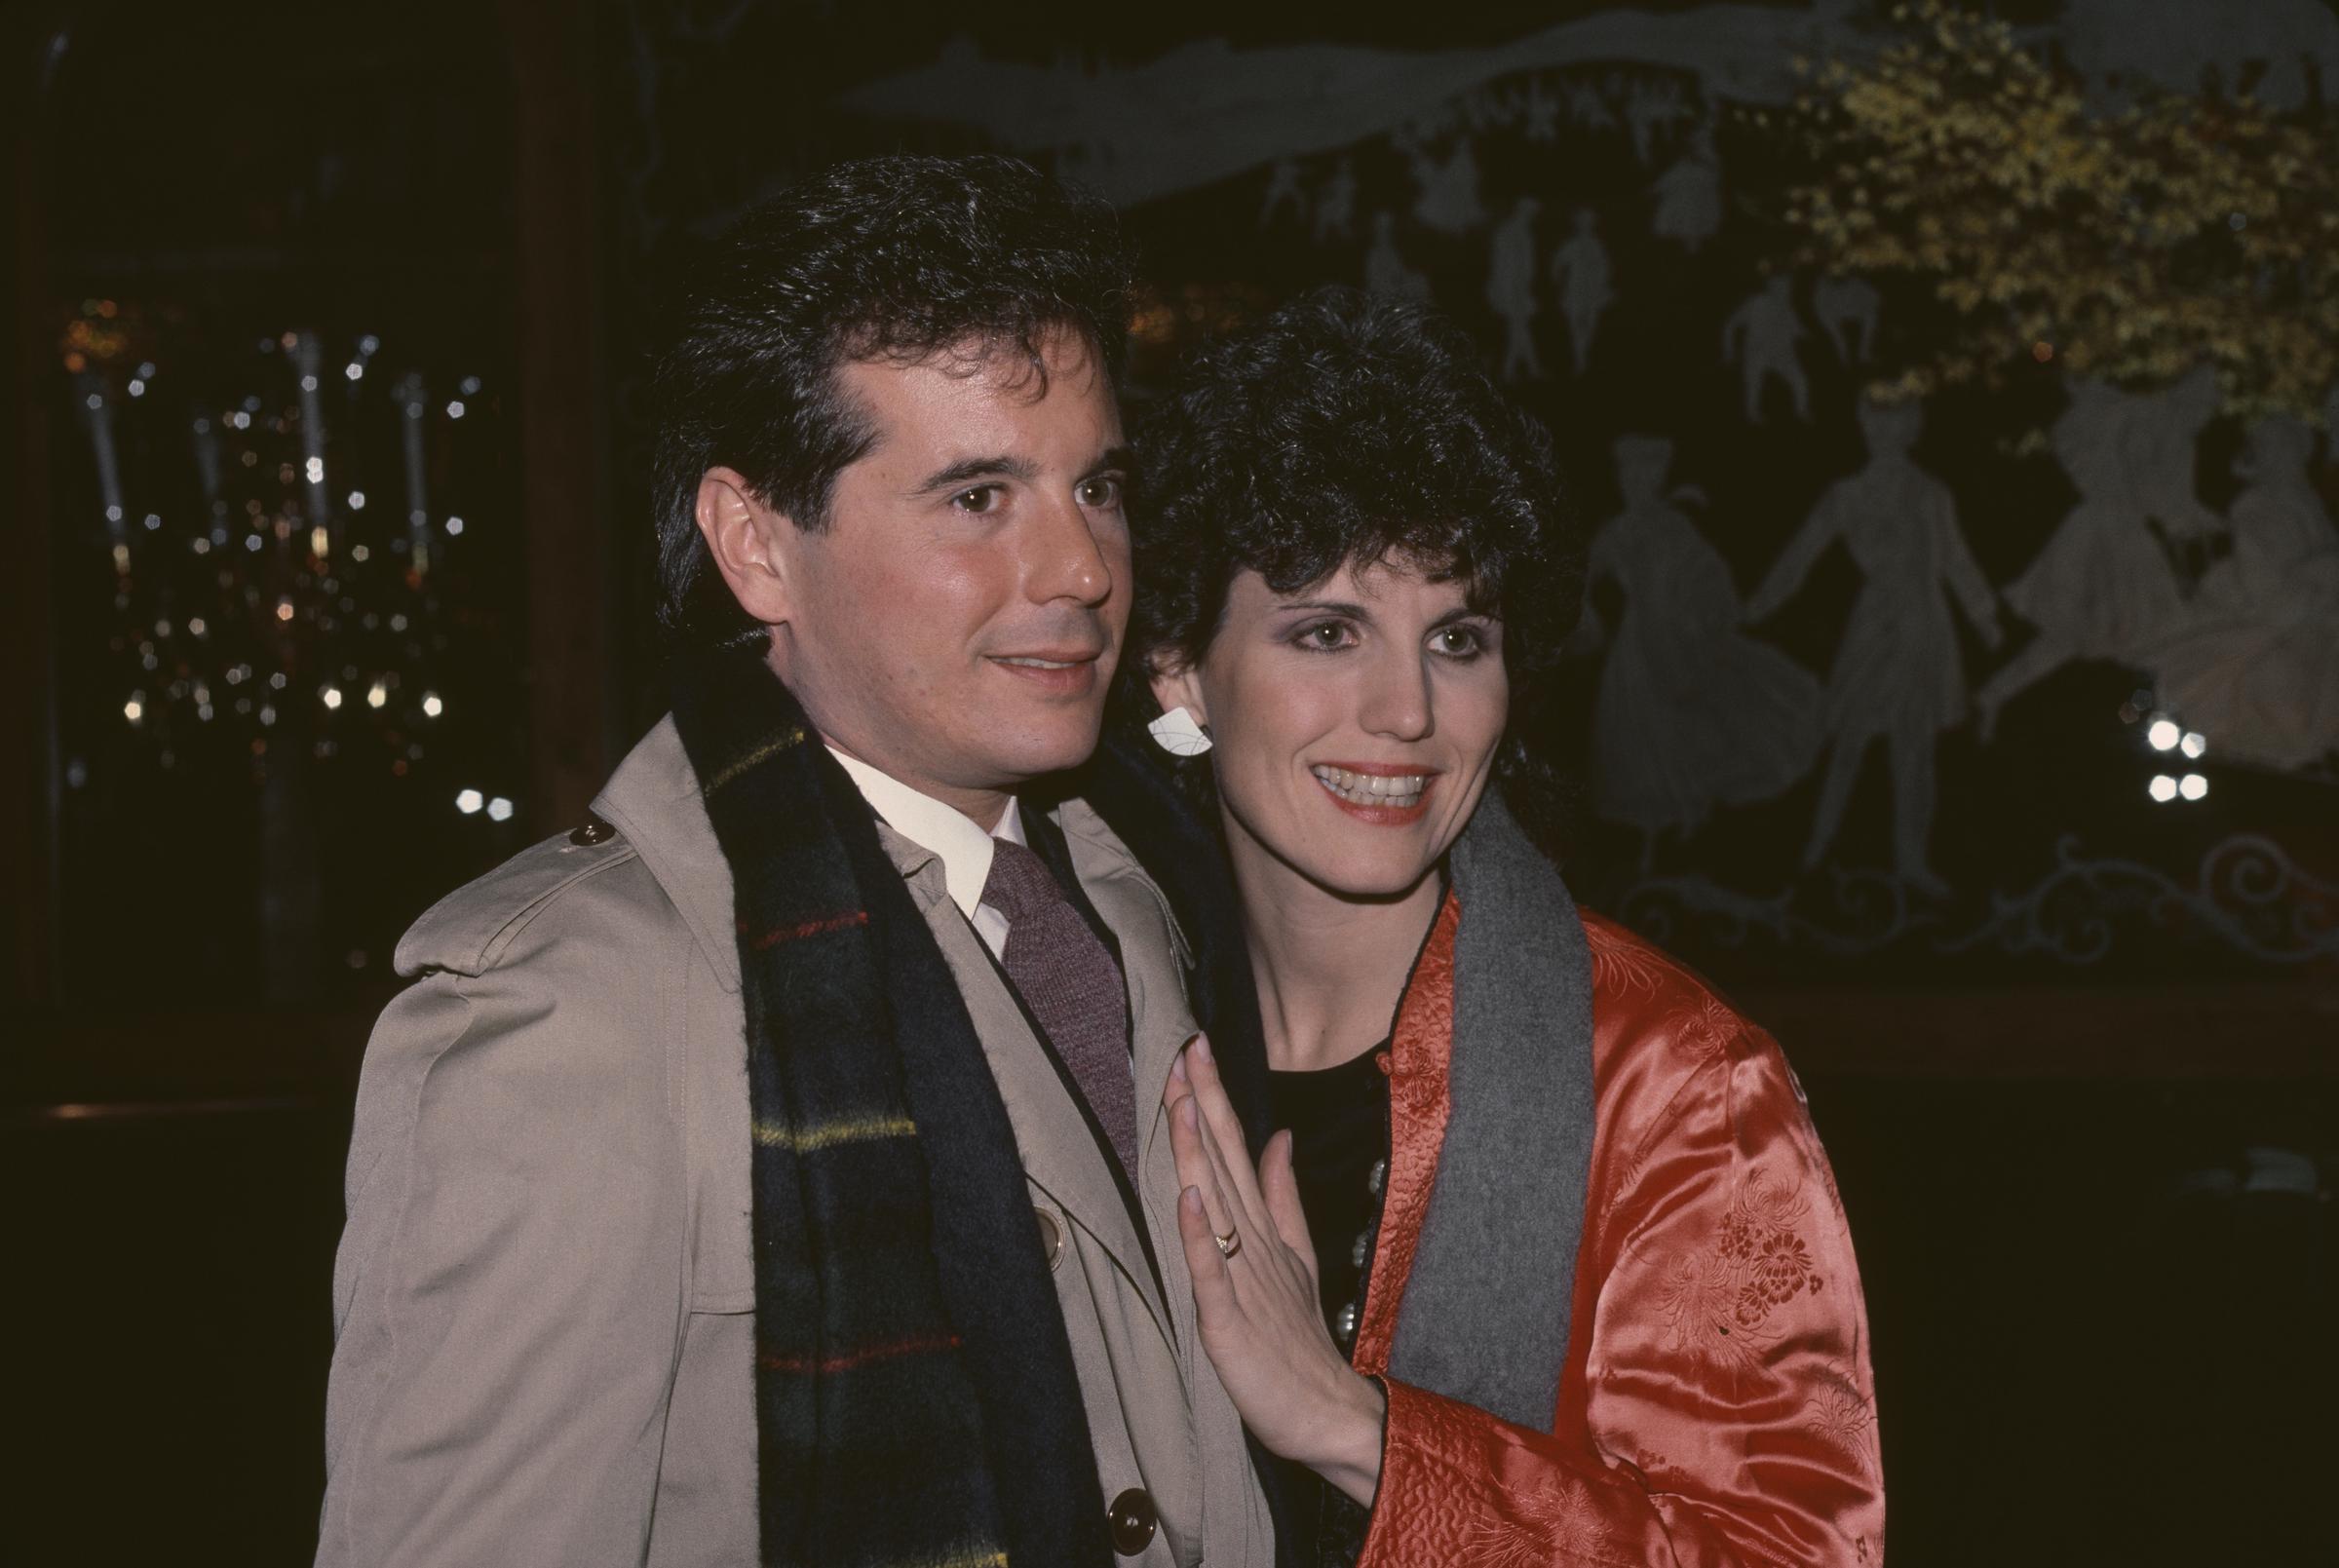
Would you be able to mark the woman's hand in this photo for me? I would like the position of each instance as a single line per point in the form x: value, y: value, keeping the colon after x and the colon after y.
x: 1255, y: 1291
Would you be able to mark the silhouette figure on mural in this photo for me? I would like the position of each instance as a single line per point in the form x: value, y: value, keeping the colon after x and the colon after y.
x: 1283, y: 189
x: 1760, y: 337
x: 1581, y: 273
x: 1689, y: 194
x: 1691, y: 712
x: 1587, y: 109
x: 2257, y: 669
x: 1385, y: 269
x: 2103, y: 586
x: 1336, y: 204
x: 1847, y: 309
x: 1540, y: 112
x: 2285, y: 51
x: 1511, y: 288
x: 2168, y: 450
x: 1653, y: 107
x: 1449, y: 200
x: 1896, y: 676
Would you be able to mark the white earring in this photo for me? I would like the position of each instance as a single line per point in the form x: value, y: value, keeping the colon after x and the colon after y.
x: 1177, y: 733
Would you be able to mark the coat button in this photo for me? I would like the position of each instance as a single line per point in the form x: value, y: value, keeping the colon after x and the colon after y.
x: 1132, y: 1521
x: 593, y: 831
x: 1051, y: 1237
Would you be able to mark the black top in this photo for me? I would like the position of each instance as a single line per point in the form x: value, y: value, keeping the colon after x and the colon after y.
x: 1339, y: 1122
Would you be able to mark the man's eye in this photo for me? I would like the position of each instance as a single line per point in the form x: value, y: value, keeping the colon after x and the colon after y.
x: 980, y: 498
x: 1102, y: 493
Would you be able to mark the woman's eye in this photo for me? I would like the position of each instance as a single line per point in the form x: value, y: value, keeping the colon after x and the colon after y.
x: 1324, y: 636
x: 1102, y: 493
x: 1458, y: 642
x: 981, y: 498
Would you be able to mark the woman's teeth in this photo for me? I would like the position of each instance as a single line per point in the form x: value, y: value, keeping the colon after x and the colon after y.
x: 1374, y: 788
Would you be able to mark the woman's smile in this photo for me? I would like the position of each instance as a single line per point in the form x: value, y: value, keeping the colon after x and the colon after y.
x: 1383, y: 794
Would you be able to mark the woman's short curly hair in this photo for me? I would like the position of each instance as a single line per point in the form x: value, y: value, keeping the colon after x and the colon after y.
x: 1343, y: 427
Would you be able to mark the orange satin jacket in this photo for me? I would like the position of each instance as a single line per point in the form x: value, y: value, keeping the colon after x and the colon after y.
x: 1716, y: 1407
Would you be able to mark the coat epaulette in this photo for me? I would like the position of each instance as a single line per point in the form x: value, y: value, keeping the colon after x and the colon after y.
x: 468, y: 930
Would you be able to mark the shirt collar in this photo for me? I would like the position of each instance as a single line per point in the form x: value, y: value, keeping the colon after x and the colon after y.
x: 953, y: 837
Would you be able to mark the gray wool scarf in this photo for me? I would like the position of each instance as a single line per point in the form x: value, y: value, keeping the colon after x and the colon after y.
x: 1485, y: 1310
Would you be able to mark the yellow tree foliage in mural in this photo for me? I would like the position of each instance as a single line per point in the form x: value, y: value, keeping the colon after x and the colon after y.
x: 2128, y: 243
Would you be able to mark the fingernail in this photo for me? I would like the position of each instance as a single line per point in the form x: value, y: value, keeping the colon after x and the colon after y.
x: 1201, y: 1047
x: 1177, y: 1066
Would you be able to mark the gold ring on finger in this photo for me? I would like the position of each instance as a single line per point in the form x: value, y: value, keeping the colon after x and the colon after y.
x: 1228, y: 1244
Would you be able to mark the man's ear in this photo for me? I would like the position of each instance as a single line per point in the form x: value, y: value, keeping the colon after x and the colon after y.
x: 749, y: 543
x: 1176, y: 685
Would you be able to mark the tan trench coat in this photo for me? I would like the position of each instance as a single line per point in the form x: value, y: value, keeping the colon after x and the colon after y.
x: 544, y: 1303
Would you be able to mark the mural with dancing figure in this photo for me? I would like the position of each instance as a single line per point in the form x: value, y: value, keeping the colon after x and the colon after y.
x: 1692, y: 713
x: 2007, y: 588
x: 1898, y: 676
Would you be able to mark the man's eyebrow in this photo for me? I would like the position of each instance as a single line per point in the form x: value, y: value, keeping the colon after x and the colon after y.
x: 968, y: 470
x: 1115, y: 459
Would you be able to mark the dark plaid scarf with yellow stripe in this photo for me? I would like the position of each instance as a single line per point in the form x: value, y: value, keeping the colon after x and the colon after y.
x: 915, y: 1398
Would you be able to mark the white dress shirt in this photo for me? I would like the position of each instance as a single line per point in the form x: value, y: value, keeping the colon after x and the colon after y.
x: 953, y: 837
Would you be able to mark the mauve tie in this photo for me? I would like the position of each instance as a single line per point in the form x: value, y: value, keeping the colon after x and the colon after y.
x: 1069, y: 981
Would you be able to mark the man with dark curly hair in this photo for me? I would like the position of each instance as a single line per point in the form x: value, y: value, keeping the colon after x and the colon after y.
x: 772, y: 1169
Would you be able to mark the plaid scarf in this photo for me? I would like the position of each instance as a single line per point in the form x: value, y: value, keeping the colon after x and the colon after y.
x: 915, y: 1400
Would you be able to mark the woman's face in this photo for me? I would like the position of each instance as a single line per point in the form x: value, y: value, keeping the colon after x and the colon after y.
x: 1355, y: 722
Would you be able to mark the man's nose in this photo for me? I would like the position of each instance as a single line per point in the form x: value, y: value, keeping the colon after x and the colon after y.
x: 1067, y: 562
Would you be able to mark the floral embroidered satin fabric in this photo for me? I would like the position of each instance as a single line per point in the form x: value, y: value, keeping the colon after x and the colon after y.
x: 1718, y: 1406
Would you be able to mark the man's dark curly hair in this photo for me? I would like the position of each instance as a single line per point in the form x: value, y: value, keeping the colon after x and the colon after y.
x: 1345, y: 429
x: 897, y: 258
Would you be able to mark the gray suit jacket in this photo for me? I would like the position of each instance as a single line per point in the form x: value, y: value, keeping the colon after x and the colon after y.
x: 543, y: 1301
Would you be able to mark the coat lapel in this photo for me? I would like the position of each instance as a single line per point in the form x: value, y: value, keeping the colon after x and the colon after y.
x: 1061, y: 1155
x: 1159, y: 1020
x: 1238, y: 1527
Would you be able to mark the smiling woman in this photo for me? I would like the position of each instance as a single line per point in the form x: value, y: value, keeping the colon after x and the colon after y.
x: 1377, y: 699
x: 1356, y: 565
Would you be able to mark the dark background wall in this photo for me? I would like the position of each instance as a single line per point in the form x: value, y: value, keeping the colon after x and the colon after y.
x: 2075, y: 1061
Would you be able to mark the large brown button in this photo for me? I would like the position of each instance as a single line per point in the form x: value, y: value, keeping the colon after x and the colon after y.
x: 1051, y: 1237
x: 593, y: 831
x: 1132, y: 1521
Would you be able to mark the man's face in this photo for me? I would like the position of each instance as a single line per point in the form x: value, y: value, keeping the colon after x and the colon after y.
x: 957, y: 622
